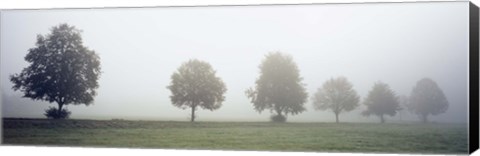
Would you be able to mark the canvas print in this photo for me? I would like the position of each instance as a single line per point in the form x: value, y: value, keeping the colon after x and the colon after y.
x: 370, y: 77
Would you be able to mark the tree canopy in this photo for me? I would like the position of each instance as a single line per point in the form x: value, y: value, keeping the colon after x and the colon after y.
x: 381, y: 100
x: 336, y: 95
x: 427, y: 99
x: 279, y: 87
x: 195, y: 85
x: 61, y: 70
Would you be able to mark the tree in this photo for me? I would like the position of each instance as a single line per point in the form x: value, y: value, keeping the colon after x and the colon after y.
x: 61, y: 70
x: 195, y: 85
x: 279, y: 87
x: 403, y: 102
x: 381, y: 100
x: 427, y: 99
x: 336, y: 95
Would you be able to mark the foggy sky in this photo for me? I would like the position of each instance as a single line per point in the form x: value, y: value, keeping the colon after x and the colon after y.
x: 139, y: 49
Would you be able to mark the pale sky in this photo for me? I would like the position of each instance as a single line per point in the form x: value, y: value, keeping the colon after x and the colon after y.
x: 396, y: 43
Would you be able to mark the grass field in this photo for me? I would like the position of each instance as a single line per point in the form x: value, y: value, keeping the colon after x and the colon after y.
x: 258, y: 136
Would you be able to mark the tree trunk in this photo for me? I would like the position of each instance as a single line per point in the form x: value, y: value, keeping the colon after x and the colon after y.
x: 192, y: 119
x: 382, y: 120
x: 400, y: 114
x: 60, y: 105
x: 424, y: 118
x: 280, y: 118
x: 336, y: 117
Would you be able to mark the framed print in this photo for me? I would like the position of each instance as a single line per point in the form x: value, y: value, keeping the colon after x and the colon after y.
x: 332, y: 77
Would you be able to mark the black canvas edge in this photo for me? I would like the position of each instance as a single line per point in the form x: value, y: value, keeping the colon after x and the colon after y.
x: 473, y: 78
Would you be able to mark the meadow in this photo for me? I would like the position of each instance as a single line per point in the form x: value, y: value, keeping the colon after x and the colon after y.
x: 429, y: 138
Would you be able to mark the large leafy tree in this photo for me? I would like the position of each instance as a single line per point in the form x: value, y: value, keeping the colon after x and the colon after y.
x: 195, y: 85
x: 381, y: 100
x: 336, y: 95
x: 427, y: 99
x: 279, y: 87
x: 61, y: 70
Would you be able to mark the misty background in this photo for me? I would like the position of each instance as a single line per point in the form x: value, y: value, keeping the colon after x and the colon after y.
x: 139, y: 49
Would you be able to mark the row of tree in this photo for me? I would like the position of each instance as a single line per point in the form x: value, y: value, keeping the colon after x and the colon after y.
x: 279, y: 89
x: 64, y: 71
x: 338, y: 96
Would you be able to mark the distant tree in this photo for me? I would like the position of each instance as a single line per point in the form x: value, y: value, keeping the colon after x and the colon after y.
x: 195, y: 85
x: 403, y: 103
x: 427, y: 99
x: 381, y: 100
x: 279, y: 87
x: 336, y: 95
x: 61, y: 70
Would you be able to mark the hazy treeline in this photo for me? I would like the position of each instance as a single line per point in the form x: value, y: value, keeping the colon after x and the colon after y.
x: 64, y: 71
x: 279, y: 88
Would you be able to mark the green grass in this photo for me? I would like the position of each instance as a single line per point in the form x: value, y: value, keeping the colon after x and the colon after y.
x: 319, y: 137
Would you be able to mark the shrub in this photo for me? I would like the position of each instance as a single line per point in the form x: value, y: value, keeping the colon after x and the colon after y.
x: 278, y: 118
x: 52, y: 113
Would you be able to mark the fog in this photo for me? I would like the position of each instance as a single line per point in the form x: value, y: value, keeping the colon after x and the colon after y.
x: 139, y: 48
